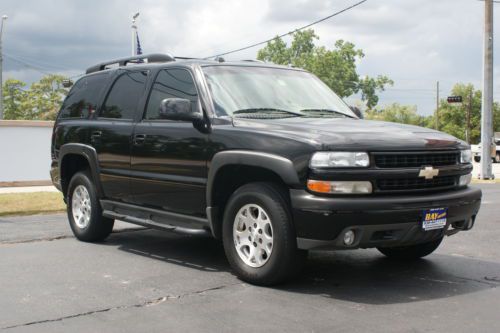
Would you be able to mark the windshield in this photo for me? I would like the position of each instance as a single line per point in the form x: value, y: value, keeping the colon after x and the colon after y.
x: 238, y: 89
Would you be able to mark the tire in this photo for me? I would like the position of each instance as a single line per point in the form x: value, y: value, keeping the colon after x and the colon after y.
x: 247, y: 250
x: 411, y: 252
x: 477, y: 159
x: 87, y: 223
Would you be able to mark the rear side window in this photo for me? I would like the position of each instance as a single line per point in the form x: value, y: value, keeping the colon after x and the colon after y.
x: 168, y: 84
x: 124, y: 96
x: 82, y: 100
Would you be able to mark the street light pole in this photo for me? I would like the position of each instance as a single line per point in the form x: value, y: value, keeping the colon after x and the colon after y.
x: 134, y: 34
x: 487, y: 102
x: 1, y: 67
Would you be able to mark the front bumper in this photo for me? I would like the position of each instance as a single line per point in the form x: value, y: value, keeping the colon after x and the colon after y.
x: 320, y: 222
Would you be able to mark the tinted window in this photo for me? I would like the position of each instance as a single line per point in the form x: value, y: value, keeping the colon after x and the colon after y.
x: 124, y: 95
x: 170, y: 83
x: 82, y: 100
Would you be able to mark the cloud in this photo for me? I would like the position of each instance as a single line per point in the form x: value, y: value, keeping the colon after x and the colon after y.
x: 414, y: 42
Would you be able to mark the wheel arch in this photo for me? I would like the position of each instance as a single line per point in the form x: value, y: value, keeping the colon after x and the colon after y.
x: 231, y: 169
x: 74, y: 157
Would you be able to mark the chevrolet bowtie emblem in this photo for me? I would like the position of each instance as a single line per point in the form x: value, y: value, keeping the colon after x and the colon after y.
x: 428, y: 172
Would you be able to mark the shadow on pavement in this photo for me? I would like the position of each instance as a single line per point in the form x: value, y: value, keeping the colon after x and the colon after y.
x: 361, y: 276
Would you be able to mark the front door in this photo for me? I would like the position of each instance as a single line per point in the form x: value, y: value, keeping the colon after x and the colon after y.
x: 168, y: 165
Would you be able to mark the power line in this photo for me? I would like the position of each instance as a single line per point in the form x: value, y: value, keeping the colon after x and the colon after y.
x: 36, y: 67
x: 290, y: 32
x: 37, y: 62
x: 25, y: 64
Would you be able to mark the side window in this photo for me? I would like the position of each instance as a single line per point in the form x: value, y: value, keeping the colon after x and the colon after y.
x: 126, y: 92
x: 168, y: 84
x: 82, y: 99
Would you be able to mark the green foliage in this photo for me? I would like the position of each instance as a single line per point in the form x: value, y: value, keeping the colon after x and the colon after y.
x: 335, y: 67
x: 41, y: 101
x: 13, y: 97
x: 453, y: 117
x: 397, y: 113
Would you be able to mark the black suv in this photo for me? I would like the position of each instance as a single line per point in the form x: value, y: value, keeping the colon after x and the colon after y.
x: 266, y: 158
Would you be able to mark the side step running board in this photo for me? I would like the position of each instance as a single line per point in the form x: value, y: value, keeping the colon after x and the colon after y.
x: 155, y: 225
x: 156, y: 219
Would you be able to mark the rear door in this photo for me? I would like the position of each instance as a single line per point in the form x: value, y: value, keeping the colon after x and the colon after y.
x: 169, y: 157
x: 112, y: 132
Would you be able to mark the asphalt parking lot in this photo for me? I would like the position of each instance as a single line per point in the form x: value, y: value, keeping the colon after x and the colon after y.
x: 146, y: 280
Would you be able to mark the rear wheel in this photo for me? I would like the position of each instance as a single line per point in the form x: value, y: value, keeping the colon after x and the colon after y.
x: 84, y: 210
x: 258, y: 235
x: 412, y: 251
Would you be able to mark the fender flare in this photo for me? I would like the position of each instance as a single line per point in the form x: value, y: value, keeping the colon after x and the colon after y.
x: 90, y: 154
x: 282, y: 166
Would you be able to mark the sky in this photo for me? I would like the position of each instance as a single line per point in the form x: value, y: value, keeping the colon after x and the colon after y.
x: 415, y: 43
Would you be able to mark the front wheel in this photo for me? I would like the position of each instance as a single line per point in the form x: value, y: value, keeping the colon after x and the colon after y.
x: 411, y: 252
x: 84, y: 210
x: 258, y: 235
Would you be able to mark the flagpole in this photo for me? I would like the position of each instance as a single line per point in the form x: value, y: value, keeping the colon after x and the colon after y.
x: 134, y: 34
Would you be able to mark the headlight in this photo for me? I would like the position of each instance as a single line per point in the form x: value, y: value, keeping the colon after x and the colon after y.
x: 466, y: 156
x: 339, y: 160
x: 340, y: 187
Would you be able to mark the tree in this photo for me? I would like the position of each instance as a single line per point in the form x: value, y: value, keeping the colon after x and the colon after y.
x: 45, y: 97
x: 453, y: 117
x: 397, y: 113
x: 335, y: 67
x: 13, y: 98
x: 41, y: 101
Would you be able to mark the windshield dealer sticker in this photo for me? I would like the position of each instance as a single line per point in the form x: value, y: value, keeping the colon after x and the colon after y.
x: 434, y: 218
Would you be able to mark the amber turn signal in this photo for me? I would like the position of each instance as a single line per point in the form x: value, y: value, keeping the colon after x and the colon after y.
x: 319, y: 186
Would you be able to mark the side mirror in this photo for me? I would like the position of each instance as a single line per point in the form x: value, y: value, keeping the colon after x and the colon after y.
x: 179, y: 109
x: 357, y: 111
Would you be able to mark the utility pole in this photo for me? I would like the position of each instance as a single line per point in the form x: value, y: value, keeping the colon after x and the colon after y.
x: 134, y: 34
x: 487, y: 102
x: 437, y: 105
x: 469, y: 111
x: 1, y: 67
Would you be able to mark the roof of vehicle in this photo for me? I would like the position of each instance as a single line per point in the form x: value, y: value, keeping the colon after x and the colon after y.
x: 159, y: 60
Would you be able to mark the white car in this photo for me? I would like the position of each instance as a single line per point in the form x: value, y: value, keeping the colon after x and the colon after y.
x: 476, y: 152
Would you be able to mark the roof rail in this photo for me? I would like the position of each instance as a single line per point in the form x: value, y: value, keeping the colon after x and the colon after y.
x: 186, y: 58
x: 155, y: 57
x: 254, y: 60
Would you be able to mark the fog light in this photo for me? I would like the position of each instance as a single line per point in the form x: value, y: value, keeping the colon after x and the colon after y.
x: 349, y: 237
x: 465, y: 180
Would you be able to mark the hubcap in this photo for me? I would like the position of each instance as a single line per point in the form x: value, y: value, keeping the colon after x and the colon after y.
x: 80, y: 206
x: 253, y: 235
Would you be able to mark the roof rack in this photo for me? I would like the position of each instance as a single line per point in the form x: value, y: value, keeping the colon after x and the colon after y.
x: 253, y: 60
x: 155, y: 57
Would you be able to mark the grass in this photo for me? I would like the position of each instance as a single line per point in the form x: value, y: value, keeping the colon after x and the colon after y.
x: 31, y: 203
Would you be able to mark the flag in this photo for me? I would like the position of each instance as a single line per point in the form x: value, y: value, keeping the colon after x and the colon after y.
x: 138, y: 46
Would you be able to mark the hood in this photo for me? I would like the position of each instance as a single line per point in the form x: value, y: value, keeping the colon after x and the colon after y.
x: 357, y: 134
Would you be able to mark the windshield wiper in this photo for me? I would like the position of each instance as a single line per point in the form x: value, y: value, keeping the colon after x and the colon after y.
x: 268, y: 111
x: 325, y: 112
